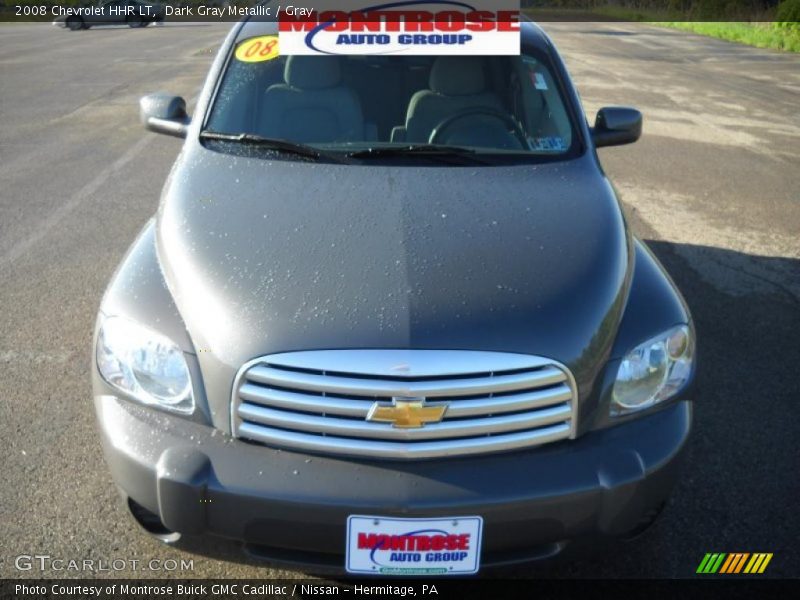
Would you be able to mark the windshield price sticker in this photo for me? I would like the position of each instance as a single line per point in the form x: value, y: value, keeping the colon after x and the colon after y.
x: 387, y: 546
x: 258, y: 49
x: 552, y: 144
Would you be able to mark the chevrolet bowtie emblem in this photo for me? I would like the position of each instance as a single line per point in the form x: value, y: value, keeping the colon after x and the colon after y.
x: 406, y: 413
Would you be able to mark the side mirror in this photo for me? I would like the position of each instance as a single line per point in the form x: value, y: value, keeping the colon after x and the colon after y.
x: 164, y: 113
x: 616, y: 125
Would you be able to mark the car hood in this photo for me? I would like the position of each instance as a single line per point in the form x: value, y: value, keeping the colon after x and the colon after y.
x: 267, y: 256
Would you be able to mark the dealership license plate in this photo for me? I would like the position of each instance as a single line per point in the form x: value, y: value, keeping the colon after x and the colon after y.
x: 389, y: 546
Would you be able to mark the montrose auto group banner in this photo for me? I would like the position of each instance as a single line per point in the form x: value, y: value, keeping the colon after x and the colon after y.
x: 399, y: 27
x: 326, y: 27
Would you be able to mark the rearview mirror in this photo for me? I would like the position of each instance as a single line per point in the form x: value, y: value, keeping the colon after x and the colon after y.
x: 164, y: 113
x: 616, y: 125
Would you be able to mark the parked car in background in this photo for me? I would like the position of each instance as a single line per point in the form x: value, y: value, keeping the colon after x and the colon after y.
x: 134, y: 13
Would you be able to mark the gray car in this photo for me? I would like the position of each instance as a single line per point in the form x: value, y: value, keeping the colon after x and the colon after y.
x: 389, y: 318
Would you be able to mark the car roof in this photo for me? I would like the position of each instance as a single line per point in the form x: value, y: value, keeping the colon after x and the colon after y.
x: 531, y: 33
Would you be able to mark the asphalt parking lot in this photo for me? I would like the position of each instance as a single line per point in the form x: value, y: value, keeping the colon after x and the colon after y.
x: 713, y: 187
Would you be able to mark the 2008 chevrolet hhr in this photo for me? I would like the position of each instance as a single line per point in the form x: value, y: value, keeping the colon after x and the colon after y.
x: 389, y: 318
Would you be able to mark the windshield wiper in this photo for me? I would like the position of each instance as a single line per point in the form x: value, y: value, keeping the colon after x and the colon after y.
x: 277, y: 144
x: 431, y: 150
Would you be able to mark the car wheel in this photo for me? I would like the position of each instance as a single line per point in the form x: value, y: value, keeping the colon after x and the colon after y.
x: 74, y: 23
x: 135, y: 21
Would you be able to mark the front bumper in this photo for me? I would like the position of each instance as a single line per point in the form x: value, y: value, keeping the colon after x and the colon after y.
x: 293, y: 507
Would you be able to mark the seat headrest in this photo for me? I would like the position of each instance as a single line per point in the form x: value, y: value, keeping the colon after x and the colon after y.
x: 312, y: 72
x: 457, y: 76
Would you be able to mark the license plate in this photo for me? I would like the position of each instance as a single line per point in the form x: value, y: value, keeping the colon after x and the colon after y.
x: 389, y: 546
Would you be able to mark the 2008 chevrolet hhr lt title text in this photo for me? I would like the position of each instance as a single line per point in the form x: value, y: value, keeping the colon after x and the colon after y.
x: 389, y: 318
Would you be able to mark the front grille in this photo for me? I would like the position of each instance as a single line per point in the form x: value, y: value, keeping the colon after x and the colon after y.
x: 318, y: 401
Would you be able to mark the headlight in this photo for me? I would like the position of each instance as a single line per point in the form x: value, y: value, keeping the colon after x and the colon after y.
x: 653, y: 371
x: 144, y: 364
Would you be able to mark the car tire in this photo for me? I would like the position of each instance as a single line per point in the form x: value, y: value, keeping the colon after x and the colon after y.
x: 74, y: 23
x: 135, y: 21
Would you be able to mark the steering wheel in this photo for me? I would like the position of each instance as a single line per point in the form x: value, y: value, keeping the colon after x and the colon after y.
x: 443, y: 125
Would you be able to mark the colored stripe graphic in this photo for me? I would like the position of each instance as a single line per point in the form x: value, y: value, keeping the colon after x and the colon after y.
x: 711, y: 563
x: 765, y: 563
x: 734, y: 563
x: 758, y: 563
x: 741, y: 562
x: 702, y: 567
x: 727, y: 564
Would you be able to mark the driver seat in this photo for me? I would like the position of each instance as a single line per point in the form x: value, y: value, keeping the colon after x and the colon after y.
x: 456, y: 83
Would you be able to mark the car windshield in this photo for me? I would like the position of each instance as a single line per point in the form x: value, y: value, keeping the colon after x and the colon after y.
x: 372, y: 107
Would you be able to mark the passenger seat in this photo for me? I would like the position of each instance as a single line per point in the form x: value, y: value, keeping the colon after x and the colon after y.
x: 312, y: 105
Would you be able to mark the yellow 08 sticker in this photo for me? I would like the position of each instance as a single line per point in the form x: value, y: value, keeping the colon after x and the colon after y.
x: 258, y: 49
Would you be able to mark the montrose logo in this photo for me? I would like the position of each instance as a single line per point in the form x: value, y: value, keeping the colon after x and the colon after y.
x: 403, y: 27
x: 424, y: 545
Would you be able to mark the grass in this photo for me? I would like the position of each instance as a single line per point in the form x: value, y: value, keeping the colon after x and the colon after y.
x: 760, y: 35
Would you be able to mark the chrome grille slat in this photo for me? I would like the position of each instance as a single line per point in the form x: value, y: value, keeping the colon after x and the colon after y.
x: 359, y: 408
x: 364, y: 429
x: 304, y: 402
x: 510, y: 403
x: 430, y: 389
x: 318, y: 401
x: 393, y: 450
